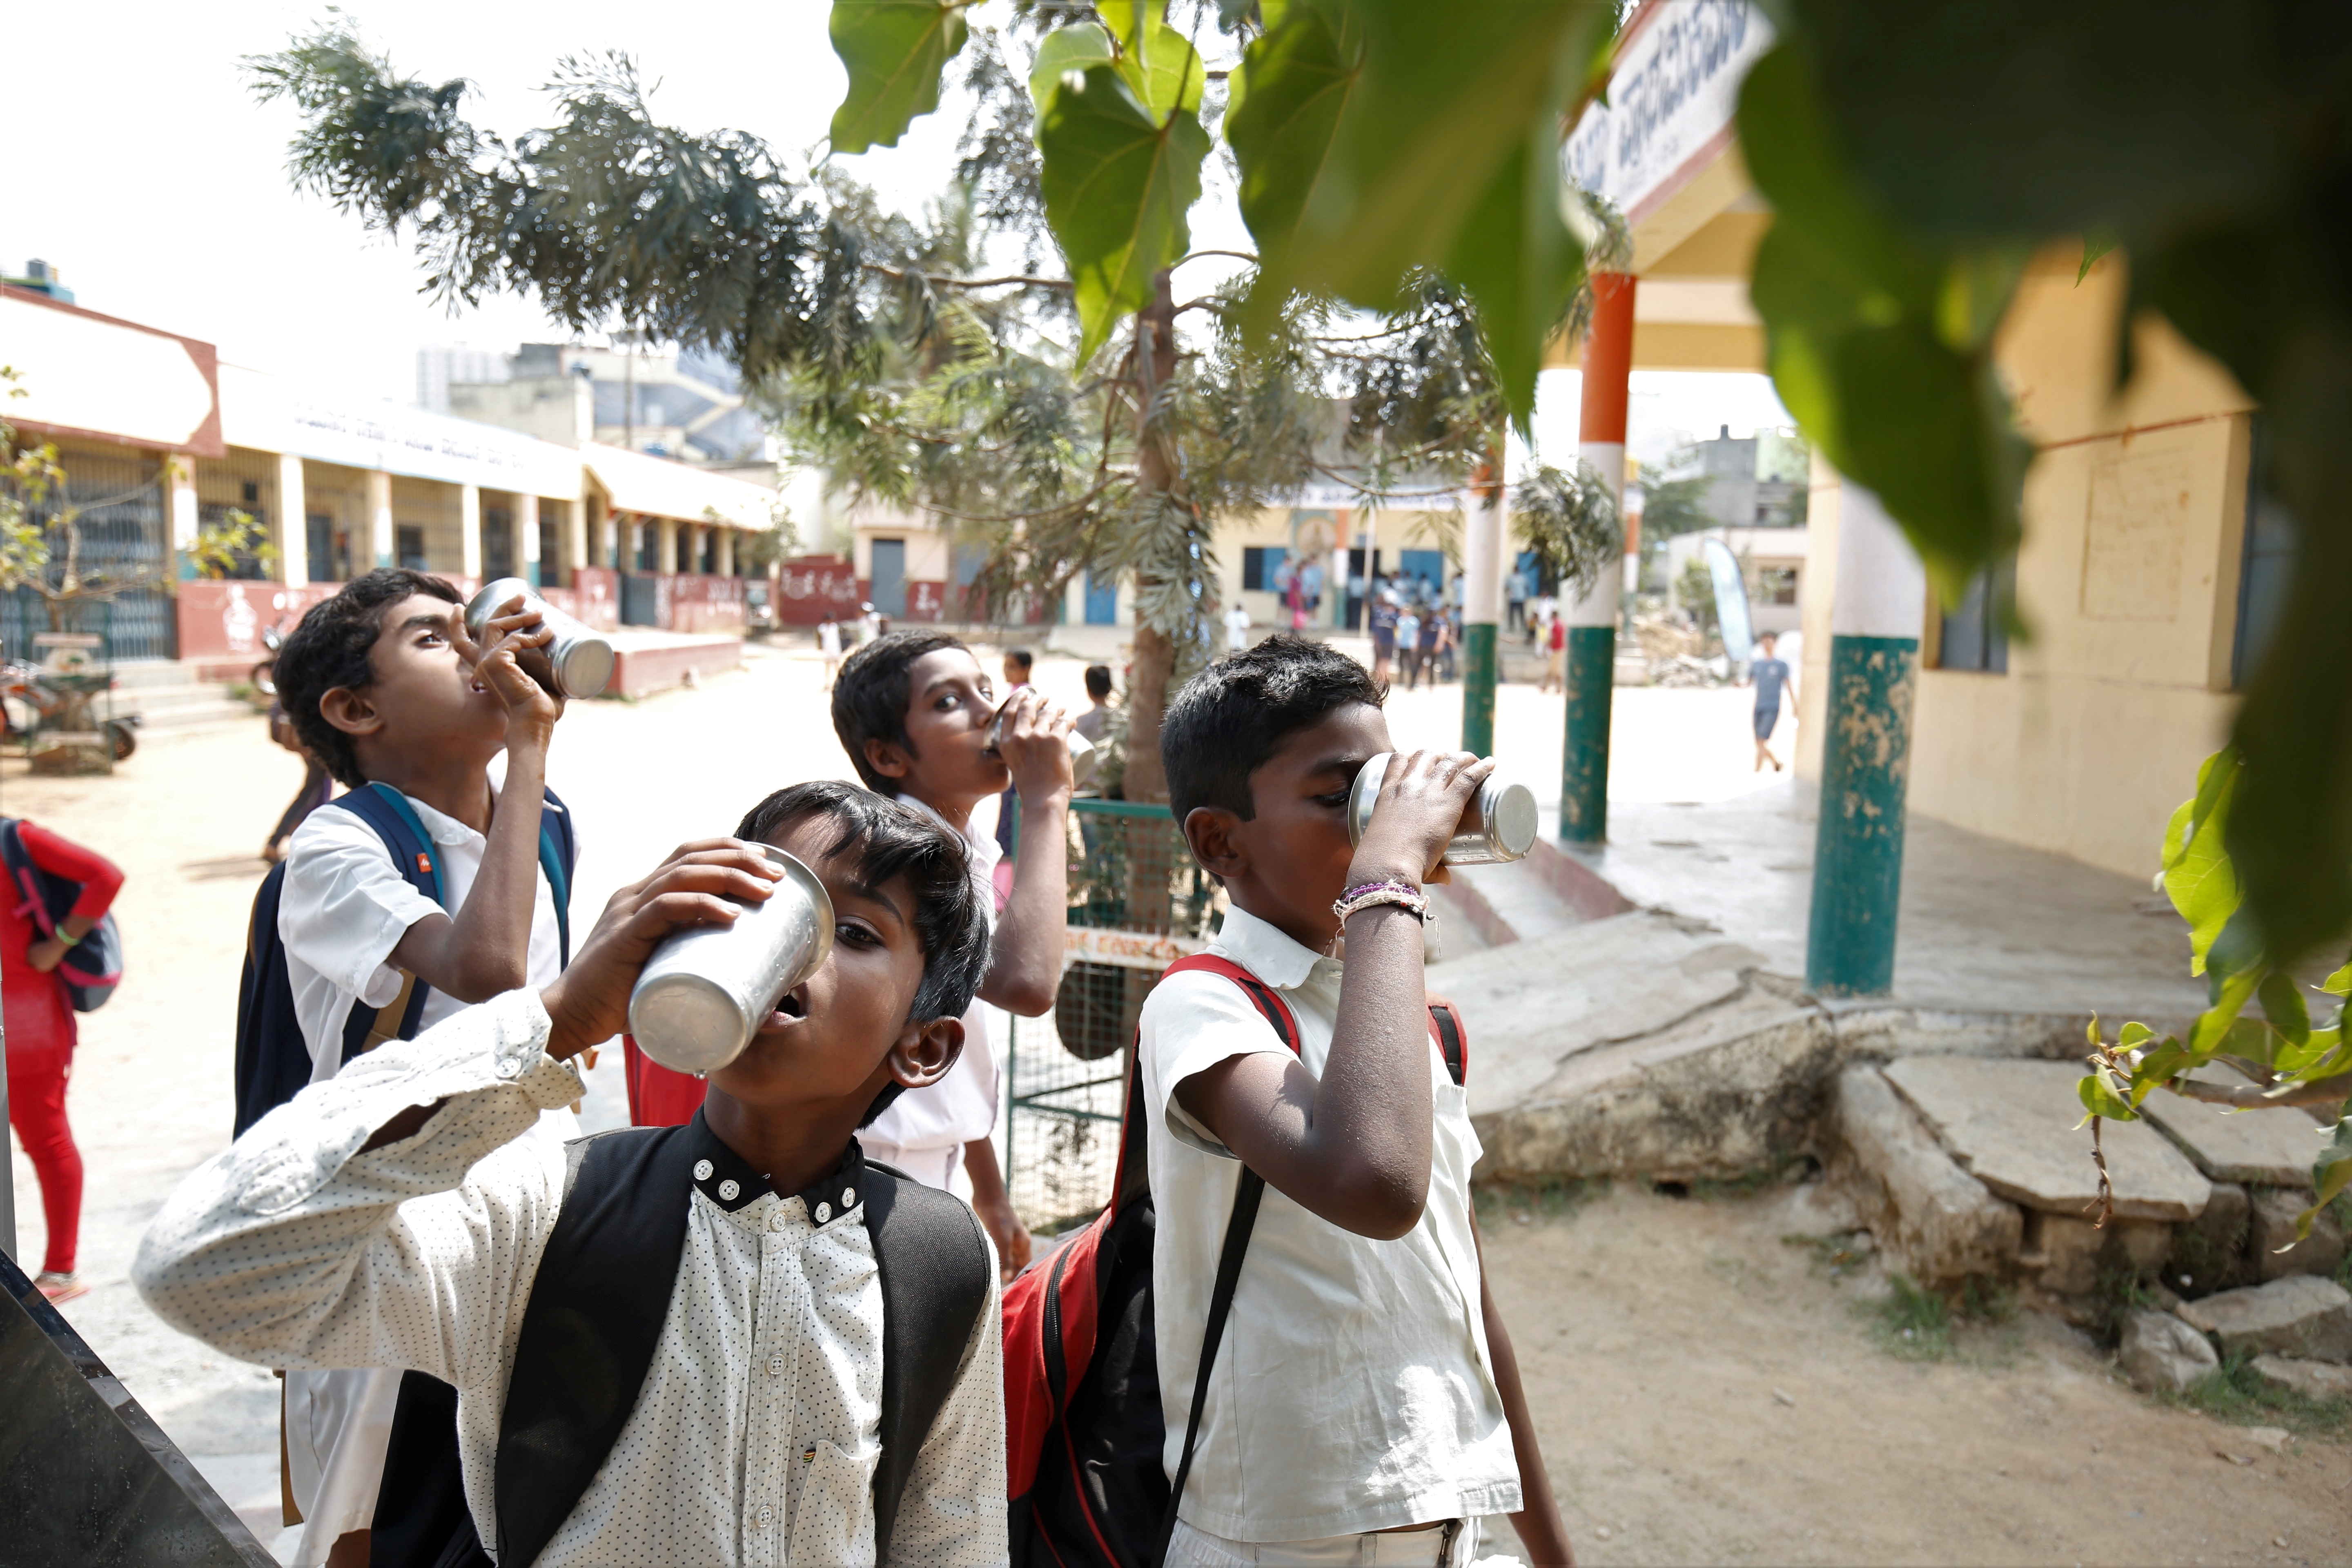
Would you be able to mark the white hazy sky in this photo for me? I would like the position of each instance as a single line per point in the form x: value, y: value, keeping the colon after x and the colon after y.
x: 150, y: 177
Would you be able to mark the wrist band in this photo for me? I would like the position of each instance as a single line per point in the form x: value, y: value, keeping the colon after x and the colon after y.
x: 1368, y: 895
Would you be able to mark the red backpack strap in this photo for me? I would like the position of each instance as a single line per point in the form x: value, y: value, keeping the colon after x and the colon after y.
x: 1452, y: 1036
x: 1275, y: 1011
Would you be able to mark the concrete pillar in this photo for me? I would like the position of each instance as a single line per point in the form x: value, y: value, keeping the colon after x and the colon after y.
x: 293, y: 524
x: 469, y: 532
x: 608, y: 540
x: 1591, y: 662
x: 665, y: 545
x: 727, y: 551
x: 1481, y: 603
x: 180, y: 474
x: 525, y: 552
x: 379, y: 511
x: 1875, y: 617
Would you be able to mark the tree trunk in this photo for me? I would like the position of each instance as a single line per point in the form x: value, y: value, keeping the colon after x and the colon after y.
x: 1155, y: 654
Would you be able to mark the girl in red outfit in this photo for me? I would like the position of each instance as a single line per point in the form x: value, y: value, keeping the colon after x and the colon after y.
x: 40, y: 1021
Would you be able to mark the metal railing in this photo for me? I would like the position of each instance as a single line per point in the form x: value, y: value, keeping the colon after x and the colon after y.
x: 1137, y: 901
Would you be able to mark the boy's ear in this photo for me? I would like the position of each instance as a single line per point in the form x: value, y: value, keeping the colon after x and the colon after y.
x: 888, y: 758
x: 350, y: 712
x: 1212, y: 831
x: 923, y: 1053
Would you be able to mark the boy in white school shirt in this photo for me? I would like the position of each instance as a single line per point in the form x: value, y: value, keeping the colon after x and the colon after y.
x: 915, y: 711
x: 384, y: 686
x: 1365, y: 1404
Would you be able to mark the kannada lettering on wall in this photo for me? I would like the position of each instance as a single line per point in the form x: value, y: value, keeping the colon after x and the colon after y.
x: 1671, y: 101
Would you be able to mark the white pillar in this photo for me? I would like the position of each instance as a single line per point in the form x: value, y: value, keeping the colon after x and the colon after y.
x: 293, y: 524
x: 526, y: 522
x: 1482, y: 557
x: 1881, y: 587
x: 1599, y: 606
x: 379, y: 511
x: 665, y: 545
x: 727, y: 552
x: 469, y: 532
x: 185, y: 516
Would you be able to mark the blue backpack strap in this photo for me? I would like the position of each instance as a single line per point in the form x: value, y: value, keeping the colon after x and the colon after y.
x: 395, y: 822
x: 559, y: 851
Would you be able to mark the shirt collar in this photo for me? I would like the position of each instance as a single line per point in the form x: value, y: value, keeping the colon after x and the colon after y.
x: 726, y: 1179
x: 1262, y: 948
x: 445, y: 828
x: 985, y: 851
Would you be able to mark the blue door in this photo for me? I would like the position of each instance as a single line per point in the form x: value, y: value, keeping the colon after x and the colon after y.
x: 1429, y: 565
x: 1102, y: 601
x: 890, y: 577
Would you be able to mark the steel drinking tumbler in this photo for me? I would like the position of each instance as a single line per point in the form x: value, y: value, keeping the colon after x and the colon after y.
x: 1083, y: 755
x: 707, y: 989
x: 1500, y: 824
x: 578, y: 663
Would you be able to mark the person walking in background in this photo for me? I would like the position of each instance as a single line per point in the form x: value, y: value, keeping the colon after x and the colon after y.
x: 1554, y: 633
x: 1769, y: 676
x: 1514, y: 596
x: 1018, y: 666
x: 1384, y: 630
x: 828, y: 648
x: 1094, y: 722
x: 41, y: 1036
x: 1408, y: 646
x: 1433, y: 640
x: 316, y: 785
x: 1237, y: 626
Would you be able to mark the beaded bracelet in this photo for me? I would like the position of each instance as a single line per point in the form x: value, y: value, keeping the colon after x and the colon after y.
x: 1368, y: 895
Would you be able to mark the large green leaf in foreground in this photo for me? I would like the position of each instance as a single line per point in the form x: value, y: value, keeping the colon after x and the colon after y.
x: 1118, y: 182
x: 895, y: 50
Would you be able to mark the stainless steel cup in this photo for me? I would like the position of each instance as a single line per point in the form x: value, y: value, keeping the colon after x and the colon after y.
x: 1083, y: 755
x: 578, y: 663
x: 1499, y: 825
x: 707, y: 990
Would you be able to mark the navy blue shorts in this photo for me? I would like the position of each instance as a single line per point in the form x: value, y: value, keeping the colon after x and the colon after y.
x: 1765, y: 717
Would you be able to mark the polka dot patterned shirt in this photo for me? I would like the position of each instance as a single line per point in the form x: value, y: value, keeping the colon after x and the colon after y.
x: 756, y: 1436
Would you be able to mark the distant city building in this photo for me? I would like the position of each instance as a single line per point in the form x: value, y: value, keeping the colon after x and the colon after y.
x: 683, y: 405
x: 1756, y: 481
x: 40, y: 277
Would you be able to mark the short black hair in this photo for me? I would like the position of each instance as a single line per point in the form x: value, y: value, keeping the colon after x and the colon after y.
x: 870, y: 696
x: 1097, y: 680
x: 894, y: 841
x: 1022, y: 656
x: 1230, y: 718
x: 330, y: 646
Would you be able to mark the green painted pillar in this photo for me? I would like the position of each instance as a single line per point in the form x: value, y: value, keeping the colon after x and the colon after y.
x: 1880, y: 598
x: 1590, y: 673
x: 1858, y: 846
x: 1481, y: 667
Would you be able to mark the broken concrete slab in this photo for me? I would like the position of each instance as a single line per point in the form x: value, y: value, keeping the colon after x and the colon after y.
x: 1936, y: 1222
x: 2065, y: 1254
x: 2303, y: 1316
x: 2160, y: 1352
x: 2312, y: 1379
x: 2271, y: 1148
x: 2008, y: 1123
x: 2272, y: 1247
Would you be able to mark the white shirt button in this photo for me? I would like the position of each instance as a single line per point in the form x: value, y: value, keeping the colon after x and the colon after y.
x: 729, y: 1188
x: 702, y: 1168
x: 778, y: 1220
x: 766, y: 1516
x: 824, y: 1213
x: 848, y: 1196
x: 775, y: 1366
x: 507, y: 1066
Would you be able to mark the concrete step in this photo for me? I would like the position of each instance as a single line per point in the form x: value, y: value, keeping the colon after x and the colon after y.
x: 1505, y: 904
x: 183, y: 707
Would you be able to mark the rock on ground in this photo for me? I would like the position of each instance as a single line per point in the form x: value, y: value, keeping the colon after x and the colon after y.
x: 2312, y: 1379
x: 2160, y: 1352
x: 2276, y: 1252
x: 2067, y: 1253
x: 1937, y: 1222
x: 2300, y: 1316
x: 2010, y: 1125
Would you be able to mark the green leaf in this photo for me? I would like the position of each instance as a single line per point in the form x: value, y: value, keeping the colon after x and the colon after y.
x: 1074, y: 48
x: 2339, y: 984
x: 2093, y: 246
x: 2134, y: 1034
x: 2282, y: 1004
x: 2331, y: 1175
x: 2157, y: 1067
x: 1158, y: 62
x: 2198, y: 874
x: 2210, y: 1033
x: 1441, y: 150
x: 895, y: 50
x: 2100, y: 1097
x: 1119, y: 182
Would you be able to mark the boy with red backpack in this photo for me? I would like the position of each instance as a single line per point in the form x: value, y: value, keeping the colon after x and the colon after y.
x: 1333, y: 1382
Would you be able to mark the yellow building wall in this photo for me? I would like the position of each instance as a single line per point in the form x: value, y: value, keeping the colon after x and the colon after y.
x: 2128, y: 581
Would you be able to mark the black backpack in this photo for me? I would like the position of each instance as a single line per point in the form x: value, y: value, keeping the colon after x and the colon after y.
x: 601, y: 1295
x: 273, y: 1062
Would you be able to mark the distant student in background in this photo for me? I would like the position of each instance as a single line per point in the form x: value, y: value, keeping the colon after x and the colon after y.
x: 1769, y: 676
x: 1237, y: 626
x: 1019, y: 663
x: 1094, y: 722
x: 828, y: 646
x: 42, y: 1035
x: 317, y: 787
x: 1408, y: 646
x: 1384, y: 632
x: 1554, y: 631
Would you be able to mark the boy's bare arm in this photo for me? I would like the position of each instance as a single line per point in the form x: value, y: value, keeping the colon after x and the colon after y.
x: 1541, y: 1529
x: 484, y: 949
x: 1354, y: 1147
x: 1025, y: 962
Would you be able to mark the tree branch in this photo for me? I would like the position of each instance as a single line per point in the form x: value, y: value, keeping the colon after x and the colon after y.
x: 939, y: 280
x: 1196, y: 255
x: 2254, y: 1096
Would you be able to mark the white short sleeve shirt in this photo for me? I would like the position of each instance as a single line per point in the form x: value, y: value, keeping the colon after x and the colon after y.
x: 1353, y: 1390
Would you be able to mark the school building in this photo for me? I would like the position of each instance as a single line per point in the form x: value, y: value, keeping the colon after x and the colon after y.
x: 158, y: 438
x: 2151, y: 572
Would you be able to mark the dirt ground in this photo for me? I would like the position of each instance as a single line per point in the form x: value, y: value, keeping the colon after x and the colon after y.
x: 1706, y: 1393
x: 1653, y: 1333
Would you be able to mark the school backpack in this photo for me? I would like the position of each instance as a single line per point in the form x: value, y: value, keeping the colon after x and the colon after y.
x: 273, y: 1062
x: 92, y: 967
x: 1083, y: 1426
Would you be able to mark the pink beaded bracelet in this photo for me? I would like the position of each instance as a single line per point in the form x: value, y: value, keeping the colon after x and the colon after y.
x: 1368, y: 895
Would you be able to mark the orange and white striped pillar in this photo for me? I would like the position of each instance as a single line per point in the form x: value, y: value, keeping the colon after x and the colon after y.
x: 1592, y: 651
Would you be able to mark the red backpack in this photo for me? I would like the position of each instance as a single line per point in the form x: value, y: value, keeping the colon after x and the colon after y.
x: 1084, y: 1432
